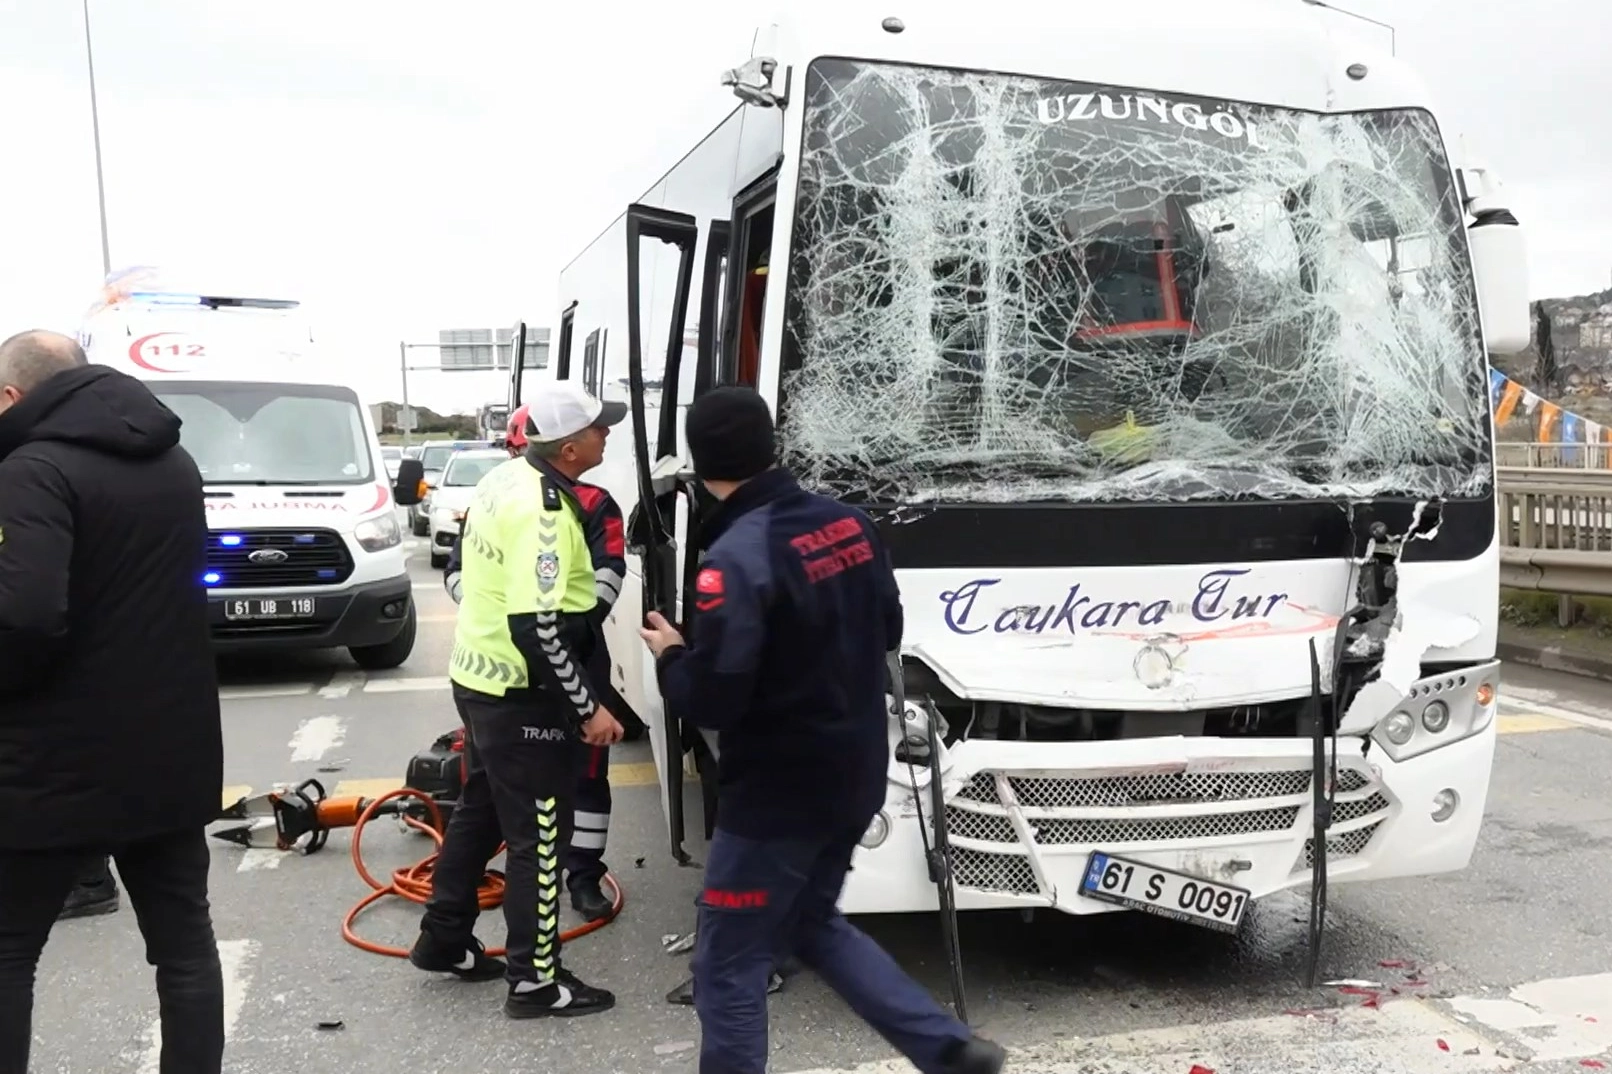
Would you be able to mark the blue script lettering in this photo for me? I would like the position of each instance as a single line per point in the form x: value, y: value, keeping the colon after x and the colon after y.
x: 1215, y: 600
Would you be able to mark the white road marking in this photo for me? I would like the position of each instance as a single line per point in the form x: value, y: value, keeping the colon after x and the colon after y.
x: 342, y: 683
x: 257, y: 858
x: 1544, y: 1021
x: 406, y: 685
x: 314, y: 738
x: 249, y: 693
x: 1560, y: 1018
x: 1400, y: 1038
x: 236, y: 957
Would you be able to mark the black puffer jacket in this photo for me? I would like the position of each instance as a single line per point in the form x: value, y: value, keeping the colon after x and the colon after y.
x: 109, y: 718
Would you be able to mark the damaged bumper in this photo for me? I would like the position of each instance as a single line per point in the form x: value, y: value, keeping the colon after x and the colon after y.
x: 1022, y: 818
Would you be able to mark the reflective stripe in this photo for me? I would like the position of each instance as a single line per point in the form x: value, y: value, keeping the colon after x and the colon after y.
x: 545, y: 954
x: 586, y: 840
x: 607, y: 584
x: 597, y: 821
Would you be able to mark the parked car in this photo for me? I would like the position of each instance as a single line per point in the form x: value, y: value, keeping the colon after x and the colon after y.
x: 452, y: 495
x: 434, y: 456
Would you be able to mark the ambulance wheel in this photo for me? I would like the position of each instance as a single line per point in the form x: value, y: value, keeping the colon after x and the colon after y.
x: 389, y: 654
x: 439, y: 560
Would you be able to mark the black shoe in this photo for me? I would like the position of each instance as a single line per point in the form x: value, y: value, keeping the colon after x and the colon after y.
x: 976, y: 1056
x: 567, y: 997
x: 589, y: 900
x: 473, y: 964
x: 683, y: 994
x: 89, y: 900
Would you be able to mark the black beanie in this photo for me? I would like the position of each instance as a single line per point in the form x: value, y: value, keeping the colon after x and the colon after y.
x: 730, y: 434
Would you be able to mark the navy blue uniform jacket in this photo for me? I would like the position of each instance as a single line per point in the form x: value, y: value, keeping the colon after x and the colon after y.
x: 795, y: 608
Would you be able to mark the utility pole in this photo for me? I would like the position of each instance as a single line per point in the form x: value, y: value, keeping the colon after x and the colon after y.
x: 95, y: 124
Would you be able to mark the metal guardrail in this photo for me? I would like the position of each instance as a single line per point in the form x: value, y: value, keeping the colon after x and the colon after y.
x: 1541, y: 455
x: 1556, y: 528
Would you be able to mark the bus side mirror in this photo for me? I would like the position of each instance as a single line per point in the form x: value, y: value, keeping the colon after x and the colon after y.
x: 1500, y: 270
x: 410, y: 476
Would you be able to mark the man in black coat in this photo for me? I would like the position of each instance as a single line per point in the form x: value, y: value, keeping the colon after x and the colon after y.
x: 110, y: 741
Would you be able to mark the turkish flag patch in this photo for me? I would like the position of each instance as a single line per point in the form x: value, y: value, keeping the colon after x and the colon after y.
x: 709, y: 582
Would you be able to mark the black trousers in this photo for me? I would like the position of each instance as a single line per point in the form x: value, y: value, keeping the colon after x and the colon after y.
x: 166, y: 878
x: 519, y: 784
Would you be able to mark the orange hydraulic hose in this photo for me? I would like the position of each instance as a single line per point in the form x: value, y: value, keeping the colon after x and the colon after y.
x: 413, y: 882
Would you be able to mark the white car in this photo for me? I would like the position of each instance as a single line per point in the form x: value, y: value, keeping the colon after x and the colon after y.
x: 452, y: 495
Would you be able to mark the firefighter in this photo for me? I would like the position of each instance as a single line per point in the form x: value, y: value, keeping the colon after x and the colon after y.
x: 522, y: 641
x: 584, y: 859
x: 796, y: 607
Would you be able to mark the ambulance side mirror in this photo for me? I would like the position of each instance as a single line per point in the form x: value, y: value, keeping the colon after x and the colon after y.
x: 406, y: 488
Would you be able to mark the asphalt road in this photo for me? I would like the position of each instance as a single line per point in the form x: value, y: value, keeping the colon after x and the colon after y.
x: 1505, y: 965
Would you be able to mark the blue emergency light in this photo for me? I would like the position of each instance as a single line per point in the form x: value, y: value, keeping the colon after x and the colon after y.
x: 230, y: 540
x: 212, y: 578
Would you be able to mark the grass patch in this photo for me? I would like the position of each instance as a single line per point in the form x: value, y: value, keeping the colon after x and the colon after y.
x: 1528, y: 608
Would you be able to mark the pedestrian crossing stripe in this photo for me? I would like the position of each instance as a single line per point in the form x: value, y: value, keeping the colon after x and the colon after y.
x: 638, y: 774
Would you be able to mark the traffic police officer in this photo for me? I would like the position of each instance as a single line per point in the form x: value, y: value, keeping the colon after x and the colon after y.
x: 521, y: 647
x: 795, y: 609
x: 585, y: 867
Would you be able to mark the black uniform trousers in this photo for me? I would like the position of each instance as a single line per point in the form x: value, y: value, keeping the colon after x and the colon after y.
x: 520, y: 773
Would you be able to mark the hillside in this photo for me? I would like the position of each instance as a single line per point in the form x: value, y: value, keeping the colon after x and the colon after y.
x: 1570, y: 361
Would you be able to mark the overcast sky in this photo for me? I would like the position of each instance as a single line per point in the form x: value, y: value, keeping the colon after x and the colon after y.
x: 405, y: 166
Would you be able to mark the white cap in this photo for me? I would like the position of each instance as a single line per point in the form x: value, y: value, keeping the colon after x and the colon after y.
x: 561, y: 409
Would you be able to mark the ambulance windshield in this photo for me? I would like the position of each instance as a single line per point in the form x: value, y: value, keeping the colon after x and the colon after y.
x: 270, y: 434
x: 1012, y: 289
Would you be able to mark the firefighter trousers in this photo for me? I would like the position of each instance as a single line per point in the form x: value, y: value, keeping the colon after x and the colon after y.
x: 584, y: 858
x: 764, y: 896
x: 518, y: 789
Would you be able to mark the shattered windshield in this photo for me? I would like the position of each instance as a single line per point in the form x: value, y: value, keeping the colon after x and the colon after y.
x: 1009, y: 289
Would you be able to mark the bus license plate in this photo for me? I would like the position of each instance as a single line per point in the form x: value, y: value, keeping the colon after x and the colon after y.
x: 270, y: 608
x: 1163, y: 892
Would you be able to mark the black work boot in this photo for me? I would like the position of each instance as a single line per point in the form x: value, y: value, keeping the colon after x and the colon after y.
x: 975, y: 1056
x: 567, y: 997
x: 467, y: 964
x: 89, y: 900
x: 589, y: 900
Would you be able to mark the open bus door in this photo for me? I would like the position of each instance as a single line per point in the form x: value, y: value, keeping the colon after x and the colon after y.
x: 664, y: 477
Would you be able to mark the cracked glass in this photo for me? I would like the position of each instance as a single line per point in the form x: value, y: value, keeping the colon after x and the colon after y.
x: 1011, y: 289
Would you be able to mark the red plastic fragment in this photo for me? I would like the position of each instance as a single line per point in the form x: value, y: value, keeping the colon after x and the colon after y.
x: 1196, y: 1069
x: 1443, y: 1047
x: 1596, y: 1063
x: 1394, y: 964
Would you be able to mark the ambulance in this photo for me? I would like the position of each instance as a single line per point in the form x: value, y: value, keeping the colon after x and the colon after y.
x: 304, y: 547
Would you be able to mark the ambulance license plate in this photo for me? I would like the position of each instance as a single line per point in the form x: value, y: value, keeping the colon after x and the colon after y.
x: 1164, y: 892
x: 258, y: 608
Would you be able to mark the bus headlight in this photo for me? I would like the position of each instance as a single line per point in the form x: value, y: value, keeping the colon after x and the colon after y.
x: 1399, y: 728
x: 877, y: 832
x: 1436, y: 716
x: 378, y: 534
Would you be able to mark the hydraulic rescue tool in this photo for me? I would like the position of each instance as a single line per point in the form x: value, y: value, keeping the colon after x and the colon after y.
x: 301, y: 817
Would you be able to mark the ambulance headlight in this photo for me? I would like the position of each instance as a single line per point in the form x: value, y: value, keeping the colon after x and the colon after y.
x: 379, y: 533
x: 877, y: 832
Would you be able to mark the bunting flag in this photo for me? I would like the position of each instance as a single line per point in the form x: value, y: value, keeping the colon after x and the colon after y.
x: 1552, y: 424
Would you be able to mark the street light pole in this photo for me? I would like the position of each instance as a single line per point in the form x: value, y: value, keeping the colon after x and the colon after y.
x: 95, y: 123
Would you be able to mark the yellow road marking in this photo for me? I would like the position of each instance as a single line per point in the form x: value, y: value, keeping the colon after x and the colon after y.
x: 1525, y: 723
x: 638, y: 774
x: 234, y: 792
